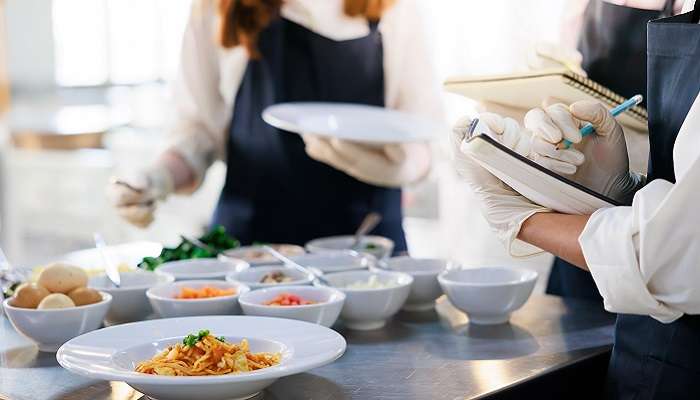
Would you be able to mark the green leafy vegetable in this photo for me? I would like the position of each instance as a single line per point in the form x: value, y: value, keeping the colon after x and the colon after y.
x: 216, y: 238
x: 191, y: 340
x: 221, y: 339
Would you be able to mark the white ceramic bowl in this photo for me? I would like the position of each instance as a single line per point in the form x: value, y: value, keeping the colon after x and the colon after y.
x: 129, y: 301
x: 255, y: 255
x: 325, y: 311
x: 367, y: 309
x: 252, y: 277
x: 425, y: 288
x: 111, y: 354
x: 336, y: 261
x: 163, y: 299
x: 49, y: 329
x: 490, y: 294
x: 202, y: 268
x: 381, y: 247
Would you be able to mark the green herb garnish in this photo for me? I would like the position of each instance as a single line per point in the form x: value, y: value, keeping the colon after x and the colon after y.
x: 221, y: 339
x: 191, y: 340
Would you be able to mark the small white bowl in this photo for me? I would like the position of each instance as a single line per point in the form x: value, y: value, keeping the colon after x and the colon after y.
x: 490, y: 294
x: 202, y: 268
x: 336, y: 261
x: 381, y: 247
x: 325, y: 311
x: 367, y: 309
x: 426, y: 288
x: 129, y: 301
x: 255, y: 255
x: 49, y: 329
x: 253, y: 276
x: 163, y: 299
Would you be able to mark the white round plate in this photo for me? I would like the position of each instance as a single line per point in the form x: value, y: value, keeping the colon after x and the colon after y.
x: 112, y: 354
x: 355, y: 122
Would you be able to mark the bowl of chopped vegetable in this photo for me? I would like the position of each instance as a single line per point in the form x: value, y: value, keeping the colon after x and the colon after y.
x: 378, y: 246
x: 270, y: 276
x: 318, y: 304
x: 196, y: 297
x: 215, y: 242
x: 372, y: 296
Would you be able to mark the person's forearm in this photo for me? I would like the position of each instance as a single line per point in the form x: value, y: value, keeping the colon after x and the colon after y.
x: 182, y: 174
x: 557, y: 234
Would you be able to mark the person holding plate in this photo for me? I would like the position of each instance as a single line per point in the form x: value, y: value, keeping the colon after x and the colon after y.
x: 241, y: 56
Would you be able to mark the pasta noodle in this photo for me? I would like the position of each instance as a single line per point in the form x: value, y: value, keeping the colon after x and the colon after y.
x: 204, y: 354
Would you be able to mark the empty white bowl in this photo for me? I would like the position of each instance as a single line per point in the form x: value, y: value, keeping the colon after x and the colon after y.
x: 425, y: 288
x: 163, y: 299
x: 367, y: 309
x: 129, y: 301
x: 202, y: 268
x: 49, y: 329
x: 325, y: 310
x: 336, y: 261
x: 490, y: 294
x: 253, y: 276
x: 378, y: 246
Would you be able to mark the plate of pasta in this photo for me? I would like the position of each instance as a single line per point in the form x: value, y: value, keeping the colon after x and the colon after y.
x: 212, y: 357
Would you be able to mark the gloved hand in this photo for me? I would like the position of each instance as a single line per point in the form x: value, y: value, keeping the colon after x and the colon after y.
x: 389, y: 165
x: 599, y: 161
x: 135, y: 196
x: 504, y: 209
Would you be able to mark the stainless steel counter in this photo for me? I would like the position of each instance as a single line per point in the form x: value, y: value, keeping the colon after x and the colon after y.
x: 432, y: 355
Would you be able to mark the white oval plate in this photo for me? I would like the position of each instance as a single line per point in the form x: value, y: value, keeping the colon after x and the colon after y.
x: 355, y: 122
x: 112, y: 353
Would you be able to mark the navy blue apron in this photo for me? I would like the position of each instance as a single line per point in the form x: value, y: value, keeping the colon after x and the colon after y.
x: 652, y: 360
x: 274, y: 192
x: 613, y: 43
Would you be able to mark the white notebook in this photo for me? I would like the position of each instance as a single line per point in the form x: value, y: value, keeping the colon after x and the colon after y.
x: 527, y: 90
x: 532, y: 180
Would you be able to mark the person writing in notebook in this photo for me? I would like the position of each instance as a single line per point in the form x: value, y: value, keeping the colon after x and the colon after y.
x: 642, y: 257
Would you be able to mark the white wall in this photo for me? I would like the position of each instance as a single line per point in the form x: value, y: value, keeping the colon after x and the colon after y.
x: 30, y: 44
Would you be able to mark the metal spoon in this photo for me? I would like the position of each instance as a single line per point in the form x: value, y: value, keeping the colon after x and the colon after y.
x: 290, y: 263
x: 370, y: 222
x: 201, y: 244
x: 111, y: 268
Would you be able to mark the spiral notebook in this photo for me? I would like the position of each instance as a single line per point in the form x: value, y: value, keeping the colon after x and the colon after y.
x: 527, y: 90
x: 530, y: 179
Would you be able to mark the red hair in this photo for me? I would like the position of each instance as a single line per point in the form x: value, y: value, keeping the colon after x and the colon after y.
x: 243, y: 20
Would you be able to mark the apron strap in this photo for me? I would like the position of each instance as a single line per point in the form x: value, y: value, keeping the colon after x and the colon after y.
x: 668, y: 8
x: 695, y: 18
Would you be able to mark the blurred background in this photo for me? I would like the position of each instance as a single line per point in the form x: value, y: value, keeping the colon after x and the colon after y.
x: 84, y: 94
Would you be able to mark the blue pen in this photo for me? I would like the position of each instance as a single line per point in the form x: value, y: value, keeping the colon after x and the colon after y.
x: 588, y: 128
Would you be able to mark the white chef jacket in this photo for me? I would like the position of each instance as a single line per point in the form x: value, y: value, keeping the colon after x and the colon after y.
x: 645, y: 258
x: 209, y: 75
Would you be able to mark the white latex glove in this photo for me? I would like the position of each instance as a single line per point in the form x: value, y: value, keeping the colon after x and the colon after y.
x: 135, y: 197
x: 390, y: 165
x: 599, y: 161
x: 504, y: 209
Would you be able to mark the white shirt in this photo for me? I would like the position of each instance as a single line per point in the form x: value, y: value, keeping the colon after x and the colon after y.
x: 210, y: 75
x: 645, y: 259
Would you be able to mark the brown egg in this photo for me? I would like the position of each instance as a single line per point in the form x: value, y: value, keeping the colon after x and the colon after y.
x: 29, y: 295
x: 55, y: 300
x: 62, y: 278
x: 83, y: 296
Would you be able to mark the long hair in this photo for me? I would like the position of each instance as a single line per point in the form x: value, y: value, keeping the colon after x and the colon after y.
x: 243, y: 20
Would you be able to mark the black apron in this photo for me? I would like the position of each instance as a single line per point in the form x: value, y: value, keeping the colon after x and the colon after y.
x: 274, y: 192
x: 613, y: 43
x: 652, y: 360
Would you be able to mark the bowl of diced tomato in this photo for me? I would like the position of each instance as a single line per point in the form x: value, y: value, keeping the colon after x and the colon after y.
x: 317, y: 304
